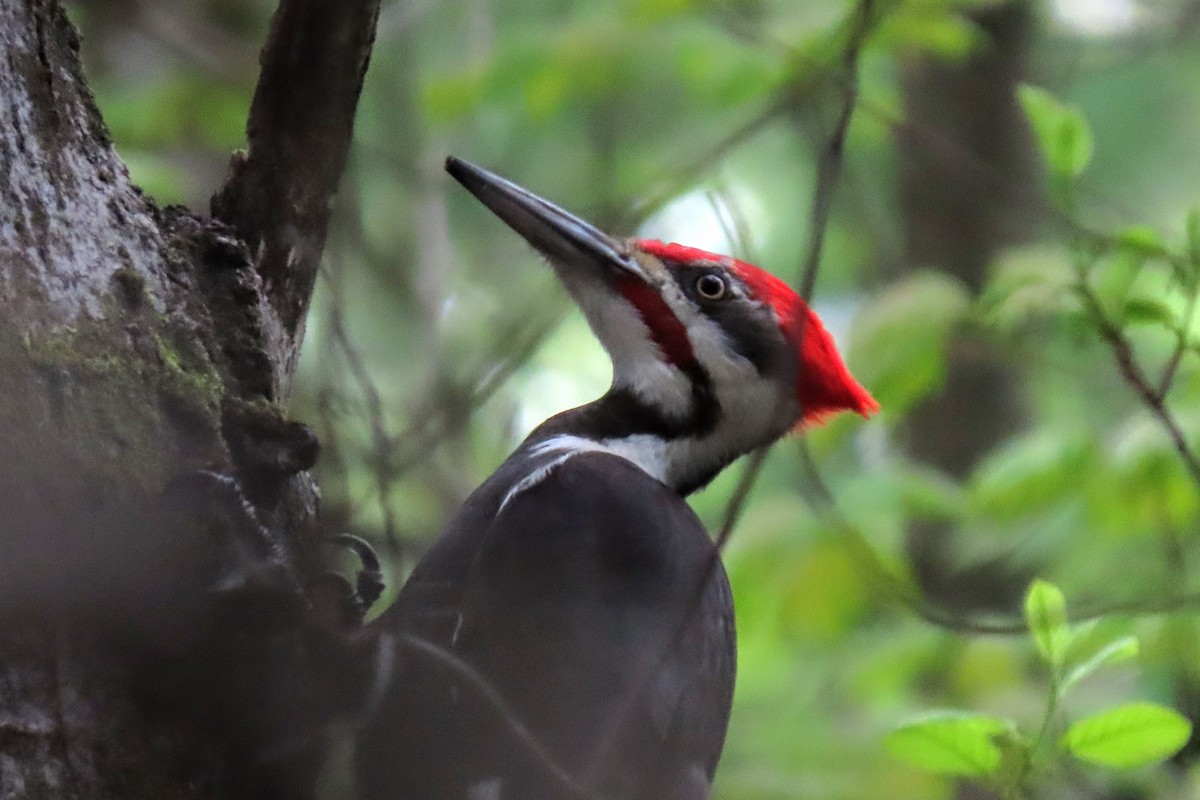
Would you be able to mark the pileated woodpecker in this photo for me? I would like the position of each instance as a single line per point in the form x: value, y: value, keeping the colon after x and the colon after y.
x: 577, y: 625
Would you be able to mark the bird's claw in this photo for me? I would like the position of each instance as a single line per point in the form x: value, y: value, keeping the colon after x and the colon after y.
x: 353, y: 600
x: 368, y: 584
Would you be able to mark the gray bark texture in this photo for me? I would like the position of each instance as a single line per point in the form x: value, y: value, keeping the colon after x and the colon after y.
x: 158, y: 636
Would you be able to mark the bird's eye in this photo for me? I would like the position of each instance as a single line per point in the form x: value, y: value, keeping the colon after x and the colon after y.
x: 710, y: 287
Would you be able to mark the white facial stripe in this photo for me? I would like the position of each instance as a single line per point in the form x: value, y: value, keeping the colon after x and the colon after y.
x: 752, y: 410
x: 638, y: 364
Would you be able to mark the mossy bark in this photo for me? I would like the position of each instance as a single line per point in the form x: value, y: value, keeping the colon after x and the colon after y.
x: 138, y: 347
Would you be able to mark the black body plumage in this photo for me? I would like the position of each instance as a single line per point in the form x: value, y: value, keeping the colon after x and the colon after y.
x: 593, y: 601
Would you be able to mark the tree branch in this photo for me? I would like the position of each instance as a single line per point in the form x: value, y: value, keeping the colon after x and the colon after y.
x: 132, y: 342
x: 1132, y: 372
x: 485, y: 691
x: 1181, y: 342
x: 829, y: 170
x: 278, y: 192
x: 821, y: 500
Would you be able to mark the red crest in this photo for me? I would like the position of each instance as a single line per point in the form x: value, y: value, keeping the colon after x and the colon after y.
x: 824, y: 386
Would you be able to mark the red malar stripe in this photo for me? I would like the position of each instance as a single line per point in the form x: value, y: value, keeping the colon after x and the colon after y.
x: 665, y: 328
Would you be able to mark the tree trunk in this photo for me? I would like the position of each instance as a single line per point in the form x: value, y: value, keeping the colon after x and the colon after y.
x: 153, y: 625
x: 966, y: 174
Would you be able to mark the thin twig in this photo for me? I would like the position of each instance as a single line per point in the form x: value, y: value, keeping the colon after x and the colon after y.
x: 194, y: 39
x: 732, y: 219
x: 1181, y: 342
x: 1132, y: 372
x: 681, y: 177
x: 829, y: 167
x: 821, y: 500
x: 483, y: 689
x: 1152, y: 397
x: 829, y: 170
x: 435, y: 423
x: 931, y: 137
x: 737, y: 501
x: 381, y: 440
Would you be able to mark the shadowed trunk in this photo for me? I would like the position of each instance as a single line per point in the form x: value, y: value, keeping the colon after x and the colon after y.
x: 150, y: 614
x: 966, y: 171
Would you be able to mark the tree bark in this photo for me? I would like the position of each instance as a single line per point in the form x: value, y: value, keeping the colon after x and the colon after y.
x: 153, y: 625
x: 966, y: 176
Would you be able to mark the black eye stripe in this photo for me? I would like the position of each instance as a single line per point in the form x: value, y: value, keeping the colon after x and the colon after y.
x: 751, y: 329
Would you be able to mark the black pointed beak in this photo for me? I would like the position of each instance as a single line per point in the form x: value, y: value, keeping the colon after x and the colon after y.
x: 559, y: 235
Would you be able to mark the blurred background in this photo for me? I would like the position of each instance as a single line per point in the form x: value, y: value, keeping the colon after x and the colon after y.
x: 1010, y: 446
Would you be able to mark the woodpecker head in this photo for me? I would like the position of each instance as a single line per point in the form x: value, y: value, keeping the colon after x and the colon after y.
x: 712, y: 357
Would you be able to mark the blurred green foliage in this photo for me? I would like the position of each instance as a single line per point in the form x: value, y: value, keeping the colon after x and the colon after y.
x: 437, y: 342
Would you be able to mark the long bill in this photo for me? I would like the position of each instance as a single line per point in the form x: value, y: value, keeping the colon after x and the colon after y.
x: 559, y: 235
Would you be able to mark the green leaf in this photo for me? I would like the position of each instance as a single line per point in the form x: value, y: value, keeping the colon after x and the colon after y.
x: 1042, y: 109
x: 1030, y: 287
x: 1148, y: 311
x: 1131, y: 735
x: 1032, y: 473
x: 898, y: 346
x: 1144, y: 240
x: 950, y: 742
x: 1062, y: 131
x: 1121, y: 649
x: 1075, y: 144
x: 1046, y: 615
x: 1112, y: 278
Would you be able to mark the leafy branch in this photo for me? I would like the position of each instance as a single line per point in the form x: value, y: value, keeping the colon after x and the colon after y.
x: 1066, y: 143
x: 1154, y: 398
x: 998, y: 752
x: 995, y: 749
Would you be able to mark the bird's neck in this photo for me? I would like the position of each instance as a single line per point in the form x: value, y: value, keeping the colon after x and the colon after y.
x: 684, y: 452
